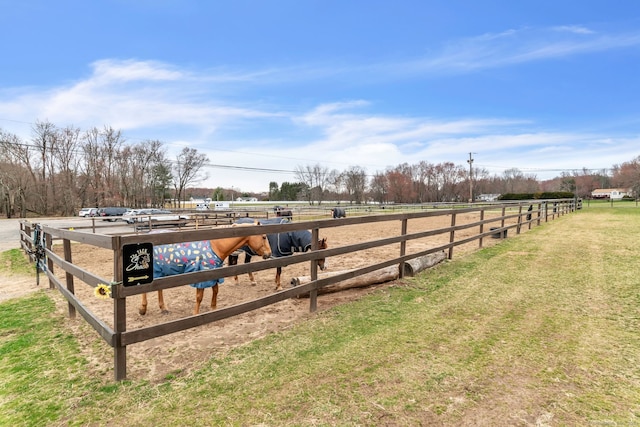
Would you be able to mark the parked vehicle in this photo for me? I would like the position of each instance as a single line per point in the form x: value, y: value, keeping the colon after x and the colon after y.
x: 144, y: 215
x: 88, y: 212
x: 111, y: 213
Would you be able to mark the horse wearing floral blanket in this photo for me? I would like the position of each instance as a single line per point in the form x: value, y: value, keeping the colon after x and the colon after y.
x: 189, y: 257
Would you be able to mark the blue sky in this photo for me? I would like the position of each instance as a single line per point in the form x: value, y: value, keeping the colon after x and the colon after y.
x: 264, y: 86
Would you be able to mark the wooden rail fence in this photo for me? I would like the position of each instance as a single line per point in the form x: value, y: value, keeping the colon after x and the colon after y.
x: 492, y: 221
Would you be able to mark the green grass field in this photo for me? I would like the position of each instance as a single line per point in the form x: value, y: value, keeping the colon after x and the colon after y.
x: 542, y: 329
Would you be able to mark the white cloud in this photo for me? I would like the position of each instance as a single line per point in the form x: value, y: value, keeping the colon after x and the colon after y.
x: 519, y: 46
x: 576, y: 29
x: 114, y: 71
x: 129, y: 95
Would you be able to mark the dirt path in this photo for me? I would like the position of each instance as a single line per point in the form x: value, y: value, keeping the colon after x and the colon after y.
x: 18, y: 286
x: 9, y: 234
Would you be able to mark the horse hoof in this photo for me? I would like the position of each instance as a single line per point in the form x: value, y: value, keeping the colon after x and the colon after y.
x: 142, y: 312
x: 254, y: 284
x: 165, y: 311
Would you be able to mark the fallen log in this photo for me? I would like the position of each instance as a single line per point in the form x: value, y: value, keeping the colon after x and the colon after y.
x: 379, y: 276
x: 416, y: 265
x: 411, y: 268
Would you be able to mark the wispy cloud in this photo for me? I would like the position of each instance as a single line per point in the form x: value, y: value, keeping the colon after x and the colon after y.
x: 577, y: 29
x: 130, y: 95
x: 344, y: 124
x: 113, y: 71
x: 518, y: 46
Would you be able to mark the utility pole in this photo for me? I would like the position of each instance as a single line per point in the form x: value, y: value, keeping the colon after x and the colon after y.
x: 470, y: 161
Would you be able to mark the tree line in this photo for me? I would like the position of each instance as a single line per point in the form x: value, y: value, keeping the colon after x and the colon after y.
x: 59, y: 170
x: 425, y: 182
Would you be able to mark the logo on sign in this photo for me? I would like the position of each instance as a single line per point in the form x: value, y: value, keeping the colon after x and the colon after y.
x: 138, y: 264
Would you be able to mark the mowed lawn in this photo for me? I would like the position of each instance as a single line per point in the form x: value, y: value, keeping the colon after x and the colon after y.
x: 542, y: 329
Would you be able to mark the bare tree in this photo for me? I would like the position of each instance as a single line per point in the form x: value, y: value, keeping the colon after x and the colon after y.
x: 627, y: 175
x: 112, y: 142
x: 355, y: 182
x: 101, y: 151
x: 66, y: 163
x: 378, y: 188
x: 9, y: 166
x: 187, y: 169
x: 450, y: 176
x: 316, y: 178
x: 517, y: 182
x: 21, y: 175
x: 482, y: 182
x: 151, y: 156
x: 92, y: 167
x: 399, y: 187
x: 44, y: 137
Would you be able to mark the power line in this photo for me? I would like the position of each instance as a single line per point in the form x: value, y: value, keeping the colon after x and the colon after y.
x: 247, y: 168
x: 283, y: 171
x: 546, y: 169
x: 79, y: 151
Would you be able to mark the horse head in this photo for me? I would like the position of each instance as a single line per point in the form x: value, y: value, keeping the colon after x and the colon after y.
x: 259, y: 245
x: 322, y: 244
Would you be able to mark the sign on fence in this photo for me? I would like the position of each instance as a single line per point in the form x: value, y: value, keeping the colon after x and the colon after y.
x: 138, y: 264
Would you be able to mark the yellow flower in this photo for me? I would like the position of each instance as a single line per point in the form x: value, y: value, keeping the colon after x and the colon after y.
x: 102, y: 291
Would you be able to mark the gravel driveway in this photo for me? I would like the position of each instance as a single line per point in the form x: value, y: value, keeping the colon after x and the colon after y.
x: 9, y: 234
x: 10, y: 228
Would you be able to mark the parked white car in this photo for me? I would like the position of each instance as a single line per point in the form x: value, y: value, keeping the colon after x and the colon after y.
x: 144, y: 215
x: 86, y: 212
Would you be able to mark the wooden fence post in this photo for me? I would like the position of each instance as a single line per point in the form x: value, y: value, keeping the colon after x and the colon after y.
x: 452, y: 234
x: 49, y: 244
x: 119, y: 314
x: 313, y: 294
x: 66, y: 243
x: 481, y: 227
x: 519, y: 219
x: 25, y: 243
x: 403, y: 246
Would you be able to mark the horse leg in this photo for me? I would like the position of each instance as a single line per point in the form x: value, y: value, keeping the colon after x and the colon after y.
x: 214, y: 297
x: 278, y: 284
x: 247, y: 259
x: 251, y: 277
x: 233, y: 260
x: 143, y: 305
x: 163, y: 308
x: 199, y: 296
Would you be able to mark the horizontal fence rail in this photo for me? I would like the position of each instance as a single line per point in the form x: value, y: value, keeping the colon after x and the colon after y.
x: 491, y: 220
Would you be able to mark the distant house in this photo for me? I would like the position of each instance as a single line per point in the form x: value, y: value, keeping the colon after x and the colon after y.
x: 487, y: 197
x: 611, y: 193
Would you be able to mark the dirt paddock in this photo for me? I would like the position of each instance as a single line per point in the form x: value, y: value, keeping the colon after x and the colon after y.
x: 184, y: 351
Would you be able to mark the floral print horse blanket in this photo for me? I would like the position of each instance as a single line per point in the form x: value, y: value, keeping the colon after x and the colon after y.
x: 187, y: 257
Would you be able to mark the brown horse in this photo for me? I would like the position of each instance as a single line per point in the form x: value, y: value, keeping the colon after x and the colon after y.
x: 282, y: 244
x: 188, y: 257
